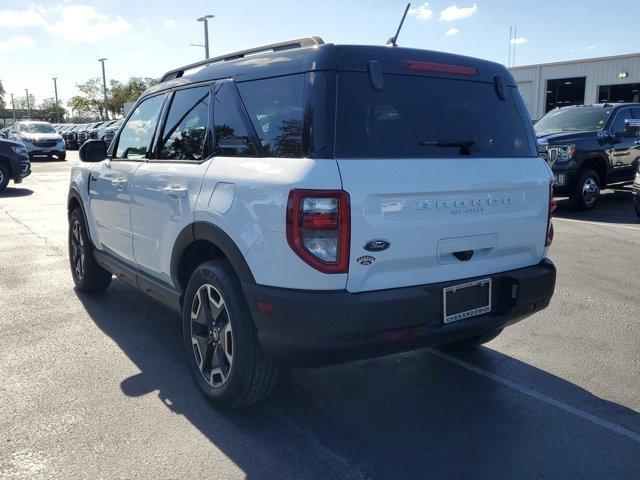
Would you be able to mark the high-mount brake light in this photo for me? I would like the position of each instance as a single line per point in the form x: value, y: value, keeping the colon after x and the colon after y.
x: 319, y: 228
x: 439, y: 68
x: 553, y: 204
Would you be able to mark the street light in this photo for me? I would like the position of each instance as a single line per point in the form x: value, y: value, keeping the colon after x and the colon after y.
x: 205, y: 19
x: 26, y: 90
x: 55, y: 89
x: 104, y: 89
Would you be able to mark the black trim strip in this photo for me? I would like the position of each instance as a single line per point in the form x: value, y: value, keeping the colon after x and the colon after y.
x: 156, y: 289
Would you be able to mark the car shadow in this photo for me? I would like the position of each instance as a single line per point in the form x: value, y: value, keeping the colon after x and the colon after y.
x: 614, y: 206
x: 10, y: 192
x: 413, y: 415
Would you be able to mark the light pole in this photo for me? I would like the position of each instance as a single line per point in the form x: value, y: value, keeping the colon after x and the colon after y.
x: 104, y: 89
x: 26, y: 90
x: 55, y: 89
x: 205, y: 19
x: 13, y: 108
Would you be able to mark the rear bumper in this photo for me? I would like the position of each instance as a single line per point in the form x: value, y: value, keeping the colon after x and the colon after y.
x: 310, y: 328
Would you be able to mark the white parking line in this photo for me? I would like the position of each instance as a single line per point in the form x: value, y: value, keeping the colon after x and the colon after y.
x: 539, y: 396
x: 627, y: 227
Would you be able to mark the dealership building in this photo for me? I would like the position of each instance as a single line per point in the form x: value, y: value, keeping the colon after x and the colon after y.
x: 595, y: 80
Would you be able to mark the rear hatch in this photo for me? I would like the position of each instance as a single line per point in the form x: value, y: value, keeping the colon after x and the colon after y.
x: 443, y: 170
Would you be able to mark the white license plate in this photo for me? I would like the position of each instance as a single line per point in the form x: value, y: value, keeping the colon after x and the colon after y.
x: 466, y: 300
x: 45, y: 150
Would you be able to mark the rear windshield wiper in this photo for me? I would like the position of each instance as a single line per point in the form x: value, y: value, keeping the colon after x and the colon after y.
x: 452, y: 142
x: 463, y: 144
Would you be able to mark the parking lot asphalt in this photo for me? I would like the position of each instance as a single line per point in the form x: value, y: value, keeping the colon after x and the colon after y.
x: 96, y: 387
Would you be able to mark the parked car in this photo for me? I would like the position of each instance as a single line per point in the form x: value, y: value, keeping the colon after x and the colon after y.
x: 590, y: 147
x: 70, y: 137
x: 92, y: 130
x: 110, y: 131
x: 340, y: 202
x: 14, y: 163
x: 40, y: 139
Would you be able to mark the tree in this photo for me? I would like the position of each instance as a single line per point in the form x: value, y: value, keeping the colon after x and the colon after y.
x: 121, y: 93
x: 2, y: 92
x: 83, y: 107
x: 47, y: 110
x: 21, y: 103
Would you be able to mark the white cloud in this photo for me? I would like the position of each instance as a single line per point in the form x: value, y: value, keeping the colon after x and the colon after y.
x: 83, y: 23
x: 16, y: 43
x: 454, y: 12
x: 518, y: 41
x: 452, y: 31
x: 22, y: 18
x: 171, y: 23
x: 423, y: 12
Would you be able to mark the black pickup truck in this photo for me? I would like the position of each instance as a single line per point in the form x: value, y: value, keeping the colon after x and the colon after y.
x: 590, y: 147
x: 14, y: 163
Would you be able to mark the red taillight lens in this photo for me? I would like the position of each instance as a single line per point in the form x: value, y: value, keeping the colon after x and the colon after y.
x: 553, y: 204
x: 318, y: 228
x: 439, y: 68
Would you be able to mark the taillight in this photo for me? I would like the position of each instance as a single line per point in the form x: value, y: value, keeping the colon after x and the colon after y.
x: 439, y: 68
x: 318, y: 228
x: 553, y: 204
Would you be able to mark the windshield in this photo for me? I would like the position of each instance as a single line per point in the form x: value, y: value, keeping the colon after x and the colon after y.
x: 574, y: 119
x: 37, y: 128
x: 416, y: 116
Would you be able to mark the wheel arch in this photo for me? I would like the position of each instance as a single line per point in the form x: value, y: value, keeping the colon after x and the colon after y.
x: 203, y: 241
x: 6, y: 161
x: 598, y: 163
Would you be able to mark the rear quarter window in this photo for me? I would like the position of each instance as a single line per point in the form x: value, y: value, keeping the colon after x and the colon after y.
x: 419, y: 116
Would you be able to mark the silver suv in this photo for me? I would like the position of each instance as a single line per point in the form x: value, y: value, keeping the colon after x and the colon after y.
x: 39, y: 138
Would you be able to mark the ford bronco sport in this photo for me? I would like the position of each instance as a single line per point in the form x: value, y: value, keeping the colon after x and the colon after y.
x: 306, y: 203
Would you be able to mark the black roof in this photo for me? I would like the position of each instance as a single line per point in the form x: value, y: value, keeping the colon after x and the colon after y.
x: 324, y: 57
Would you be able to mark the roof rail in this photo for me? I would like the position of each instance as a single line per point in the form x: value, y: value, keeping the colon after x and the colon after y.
x: 274, y: 47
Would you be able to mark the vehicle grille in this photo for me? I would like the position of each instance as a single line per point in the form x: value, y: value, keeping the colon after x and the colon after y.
x: 45, y: 143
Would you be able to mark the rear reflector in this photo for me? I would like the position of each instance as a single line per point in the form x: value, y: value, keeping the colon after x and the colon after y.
x: 553, y: 204
x: 439, y: 68
x: 264, y: 307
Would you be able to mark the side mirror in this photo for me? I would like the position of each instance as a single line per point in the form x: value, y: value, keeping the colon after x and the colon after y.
x: 93, y: 151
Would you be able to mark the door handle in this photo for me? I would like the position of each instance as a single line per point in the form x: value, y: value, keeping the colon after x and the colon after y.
x: 119, y: 183
x: 175, y: 192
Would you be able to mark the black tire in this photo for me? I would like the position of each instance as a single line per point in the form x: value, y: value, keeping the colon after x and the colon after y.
x: 4, y: 177
x: 242, y: 378
x: 62, y: 156
x: 584, y: 194
x: 88, y: 276
x: 636, y: 206
x: 473, y: 342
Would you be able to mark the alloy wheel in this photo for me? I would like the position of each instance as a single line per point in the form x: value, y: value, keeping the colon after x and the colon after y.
x: 211, y: 335
x: 77, y: 250
x: 590, y: 191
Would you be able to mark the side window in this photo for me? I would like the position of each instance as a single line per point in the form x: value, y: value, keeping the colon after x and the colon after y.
x: 135, y: 139
x: 276, y: 108
x: 232, y: 137
x: 185, y: 131
x: 618, y: 122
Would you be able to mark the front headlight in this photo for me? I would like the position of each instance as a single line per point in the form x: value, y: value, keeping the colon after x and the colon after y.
x: 561, y: 153
x: 20, y: 151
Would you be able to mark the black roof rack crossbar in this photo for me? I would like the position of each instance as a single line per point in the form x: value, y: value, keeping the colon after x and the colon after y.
x: 274, y: 47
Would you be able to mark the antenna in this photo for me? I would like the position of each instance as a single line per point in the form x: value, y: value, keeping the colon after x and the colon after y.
x: 392, y: 41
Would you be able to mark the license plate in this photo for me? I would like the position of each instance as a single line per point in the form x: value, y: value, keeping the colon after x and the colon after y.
x: 466, y: 300
x: 45, y: 150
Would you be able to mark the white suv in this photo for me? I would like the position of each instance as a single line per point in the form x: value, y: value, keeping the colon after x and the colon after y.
x: 305, y: 203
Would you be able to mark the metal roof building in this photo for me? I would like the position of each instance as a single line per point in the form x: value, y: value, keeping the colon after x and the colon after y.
x: 594, y: 80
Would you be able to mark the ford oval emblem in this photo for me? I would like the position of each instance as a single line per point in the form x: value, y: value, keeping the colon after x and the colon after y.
x: 376, y: 245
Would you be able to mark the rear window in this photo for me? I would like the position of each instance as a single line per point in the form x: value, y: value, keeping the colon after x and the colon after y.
x: 416, y: 116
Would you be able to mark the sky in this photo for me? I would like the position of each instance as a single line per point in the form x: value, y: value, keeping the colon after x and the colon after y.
x: 43, y: 39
